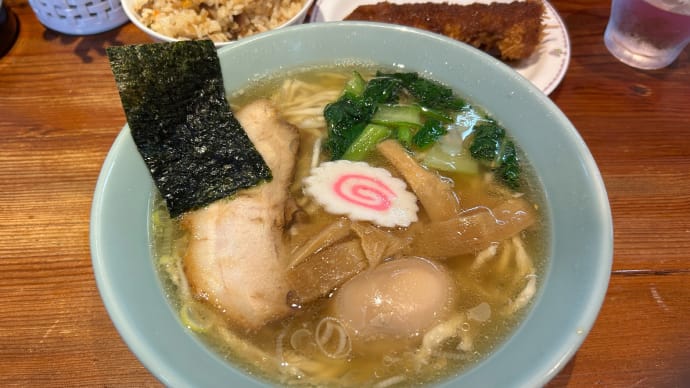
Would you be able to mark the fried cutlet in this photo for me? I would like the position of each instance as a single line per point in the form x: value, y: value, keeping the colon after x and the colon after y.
x: 510, y: 31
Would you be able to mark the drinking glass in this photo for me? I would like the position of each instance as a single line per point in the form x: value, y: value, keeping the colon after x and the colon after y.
x: 648, y: 34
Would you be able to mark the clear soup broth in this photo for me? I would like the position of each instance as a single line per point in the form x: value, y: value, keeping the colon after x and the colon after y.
x: 491, y: 287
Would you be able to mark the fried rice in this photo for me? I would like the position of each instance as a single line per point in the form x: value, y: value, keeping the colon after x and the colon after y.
x: 218, y: 20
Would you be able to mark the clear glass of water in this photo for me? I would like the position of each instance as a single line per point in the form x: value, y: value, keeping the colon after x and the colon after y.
x: 648, y: 34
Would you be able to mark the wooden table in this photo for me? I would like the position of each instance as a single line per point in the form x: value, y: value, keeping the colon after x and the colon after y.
x: 60, y: 112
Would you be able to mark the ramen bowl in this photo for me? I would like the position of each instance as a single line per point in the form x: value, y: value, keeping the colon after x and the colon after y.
x: 579, y: 256
x: 193, y: 22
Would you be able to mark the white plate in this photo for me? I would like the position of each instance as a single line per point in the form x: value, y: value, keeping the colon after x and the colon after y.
x: 545, y: 68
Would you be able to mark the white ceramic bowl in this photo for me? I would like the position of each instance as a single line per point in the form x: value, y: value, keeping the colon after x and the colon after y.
x: 580, y: 254
x: 134, y: 18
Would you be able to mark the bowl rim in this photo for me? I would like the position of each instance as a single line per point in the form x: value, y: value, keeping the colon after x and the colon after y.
x: 562, y: 352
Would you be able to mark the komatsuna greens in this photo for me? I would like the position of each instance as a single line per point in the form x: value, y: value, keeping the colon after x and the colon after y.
x: 417, y: 112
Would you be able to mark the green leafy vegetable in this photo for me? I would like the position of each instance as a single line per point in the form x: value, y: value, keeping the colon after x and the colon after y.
x: 419, y: 113
x: 428, y: 93
x: 431, y: 131
x: 398, y: 115
x: 487, y: 142
x: 404, y: 135
x: 356, y: 85
x: 492, y: 148
x: 437, y: 114
x: 367, y: 141
x: 346, y: 119
x: 509, y: 167
x: 403, y: 102
x: 441, y: 160
x: 174, y: 100
x: 383, y: 90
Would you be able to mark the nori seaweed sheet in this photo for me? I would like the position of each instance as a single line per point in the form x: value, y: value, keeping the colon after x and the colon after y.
x: 174, y: 101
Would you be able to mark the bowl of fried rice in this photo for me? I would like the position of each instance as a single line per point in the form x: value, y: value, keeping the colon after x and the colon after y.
x: 222, y: 21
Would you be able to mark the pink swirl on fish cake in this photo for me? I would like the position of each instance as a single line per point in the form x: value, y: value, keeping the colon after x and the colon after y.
x: 364, y: 191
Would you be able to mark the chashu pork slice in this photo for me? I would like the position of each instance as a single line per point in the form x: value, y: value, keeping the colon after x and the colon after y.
x: 235, y: 259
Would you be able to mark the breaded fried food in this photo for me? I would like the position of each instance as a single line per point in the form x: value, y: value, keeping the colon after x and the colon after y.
x: 509, y: 31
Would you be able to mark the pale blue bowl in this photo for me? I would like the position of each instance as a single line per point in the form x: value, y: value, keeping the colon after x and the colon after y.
x: 580, y: 256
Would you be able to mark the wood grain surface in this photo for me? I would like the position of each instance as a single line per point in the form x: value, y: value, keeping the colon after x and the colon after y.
x: 60, y: 112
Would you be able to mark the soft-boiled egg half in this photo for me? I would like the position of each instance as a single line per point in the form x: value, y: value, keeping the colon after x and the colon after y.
x: 397, y: 300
